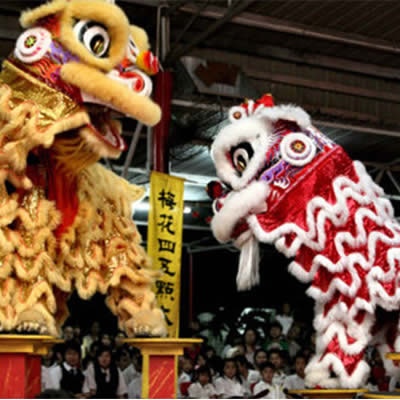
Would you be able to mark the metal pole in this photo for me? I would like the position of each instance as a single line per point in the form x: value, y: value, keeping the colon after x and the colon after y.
x: 190, y: 285
x: 132, y: 148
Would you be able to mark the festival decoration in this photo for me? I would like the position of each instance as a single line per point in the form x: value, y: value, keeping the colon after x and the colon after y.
x: 65, y: 221
x: 164, y: 243
x: 287, y: 184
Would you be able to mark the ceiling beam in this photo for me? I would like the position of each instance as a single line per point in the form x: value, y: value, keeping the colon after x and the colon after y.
x: 225, y: 17
x: 322, y: 85
x: 302, y: 57
x: 279, y: 25
x: 317, y: 122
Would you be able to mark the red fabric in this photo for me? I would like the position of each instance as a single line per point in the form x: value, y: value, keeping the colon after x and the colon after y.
x: 62, y: 190
x: 59, y: 187
x: 184, y: 388
x: 349, y: 362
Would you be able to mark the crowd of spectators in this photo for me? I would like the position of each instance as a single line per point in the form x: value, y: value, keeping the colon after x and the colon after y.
x: 257, y: 360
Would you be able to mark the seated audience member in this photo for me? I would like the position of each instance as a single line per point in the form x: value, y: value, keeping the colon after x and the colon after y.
x: 285, y: 318
x: 209, y: 352
x: 103, y: 378
x: 233, y: 340
x: 275, y: 340
x: 260, y: 357
x: 216, y: 365
x: 119, y: 341
x: 92, y: 337
x: 48, y: 362
x: 296, y: 381
x: 250, y: 339
x: 266, y: 389
x: 125, y: 363
x: 77, y: 333
x: 68, y: 333
x: 135, y: 386
x: 187, y: 365
x: 182, y: 376
x: 275, y: 358
x: 107, y: 340
x: 292, y: 339
x: 202, y: 388
x: 90, y: 356
x: 68, y: 375
x: 247, y: 373
x: 200, y: 360
x: 229, y: 385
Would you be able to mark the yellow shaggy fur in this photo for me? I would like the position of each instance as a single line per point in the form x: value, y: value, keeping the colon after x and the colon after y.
x: 100, y: 250
x: 136, y: 106
x: 107, y: 14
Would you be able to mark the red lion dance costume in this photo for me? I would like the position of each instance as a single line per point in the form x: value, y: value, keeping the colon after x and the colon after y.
x: 291, y: 186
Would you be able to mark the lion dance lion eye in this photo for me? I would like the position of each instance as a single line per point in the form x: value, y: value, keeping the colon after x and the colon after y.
x: 241, y: 155
x: 94, y: 36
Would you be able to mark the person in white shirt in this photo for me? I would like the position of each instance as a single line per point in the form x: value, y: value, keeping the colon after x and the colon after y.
x: 135, y: 385
x: 202, y: 388
x: 249, y: 376
x: 285, y: 319
x: 250, y: 338
x: 68, y: 376
x: 182, y: 377
x: 266, y: 389
x: 48, y: 362
x: 296, y: 381
x: 103, y: 379
x: 275, y: 358
x: 229, y: 385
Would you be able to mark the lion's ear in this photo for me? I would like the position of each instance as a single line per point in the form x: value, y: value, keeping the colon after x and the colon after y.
x: 30, y: 17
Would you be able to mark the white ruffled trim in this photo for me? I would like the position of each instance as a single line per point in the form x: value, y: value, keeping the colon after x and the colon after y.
x: 238, y: 205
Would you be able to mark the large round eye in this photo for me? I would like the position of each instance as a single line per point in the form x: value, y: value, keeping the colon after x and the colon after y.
x: 133, y: 50
x: 241, y: 155
x: 94, y: 36
x: 237, y: 113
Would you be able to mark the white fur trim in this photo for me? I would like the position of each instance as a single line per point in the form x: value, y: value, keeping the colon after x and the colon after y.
x: 248, y: 273
x: 238, y: 205
x: 317, y: 370
x: 253, y: 130
x: 288, y: 112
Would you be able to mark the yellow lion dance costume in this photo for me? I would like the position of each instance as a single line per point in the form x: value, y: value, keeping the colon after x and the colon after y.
x: 65, y: 220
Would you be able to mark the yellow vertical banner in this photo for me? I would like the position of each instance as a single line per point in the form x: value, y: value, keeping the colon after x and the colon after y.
x: 164, y: 243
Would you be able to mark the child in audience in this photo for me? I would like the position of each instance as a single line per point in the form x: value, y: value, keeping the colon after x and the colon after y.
x: 104, y: 379
x: 48, y: 362
x: 247, y: 373
x: 202, y: 388
x: 266, y: 389
x: 276, y: 359
x: 68, y: 375
x: 296, y: 381
x: 250, y: 338
x: 183, y: 376
x: 229, y: 385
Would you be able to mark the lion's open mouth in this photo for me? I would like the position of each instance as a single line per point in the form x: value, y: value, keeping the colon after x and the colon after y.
x: 105, y: 127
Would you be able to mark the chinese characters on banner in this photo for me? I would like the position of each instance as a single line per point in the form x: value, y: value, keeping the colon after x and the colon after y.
x: 164, y: 243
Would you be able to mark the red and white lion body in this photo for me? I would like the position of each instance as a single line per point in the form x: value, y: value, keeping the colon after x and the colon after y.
x: 294, y: 188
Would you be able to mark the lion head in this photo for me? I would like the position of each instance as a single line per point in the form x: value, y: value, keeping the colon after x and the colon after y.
x: 268, y: 158
x: 77, y: 67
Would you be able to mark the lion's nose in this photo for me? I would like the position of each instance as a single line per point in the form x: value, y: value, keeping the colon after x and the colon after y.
x: 134, y: 80
x: 214, y: 189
